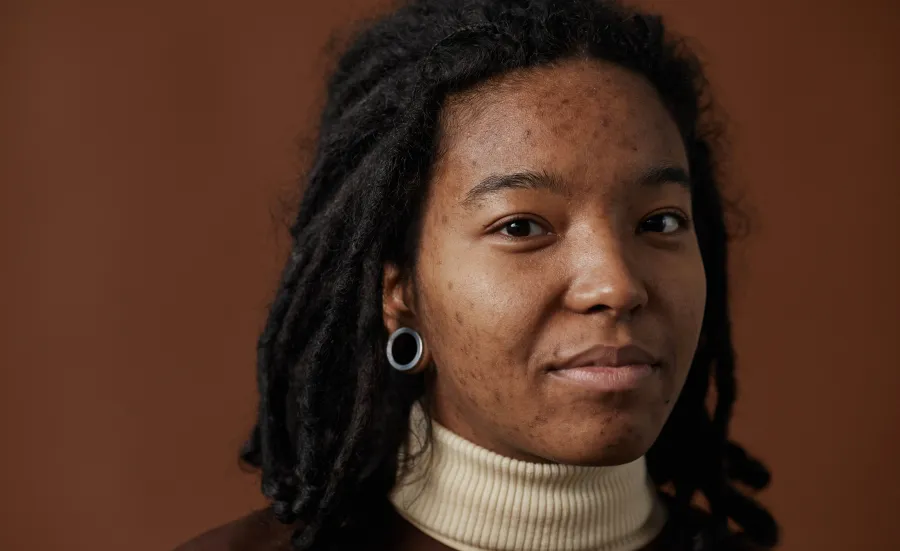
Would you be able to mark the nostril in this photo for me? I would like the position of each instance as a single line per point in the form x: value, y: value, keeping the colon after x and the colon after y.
x: 600, y: 308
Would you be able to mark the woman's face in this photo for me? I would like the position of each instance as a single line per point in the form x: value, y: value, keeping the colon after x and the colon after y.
x: 556, y: 244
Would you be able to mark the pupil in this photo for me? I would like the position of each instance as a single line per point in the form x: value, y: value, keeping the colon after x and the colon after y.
x: 657, y: 223
x: 519, y: 228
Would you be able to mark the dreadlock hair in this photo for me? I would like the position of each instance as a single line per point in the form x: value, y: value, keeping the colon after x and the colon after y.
x: 332, y: 413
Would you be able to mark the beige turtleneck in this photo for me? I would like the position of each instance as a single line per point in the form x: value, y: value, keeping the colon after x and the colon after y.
x: 472, y: 499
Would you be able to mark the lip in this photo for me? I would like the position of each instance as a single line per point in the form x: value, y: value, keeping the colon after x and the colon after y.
x: 609, y: 356
x: 608, y: 379
x: 606, y: 368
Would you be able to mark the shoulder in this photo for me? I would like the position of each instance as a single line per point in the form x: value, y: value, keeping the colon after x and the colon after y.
x: 689, y: 528
x: 739, y: 542
x: 258, y: 531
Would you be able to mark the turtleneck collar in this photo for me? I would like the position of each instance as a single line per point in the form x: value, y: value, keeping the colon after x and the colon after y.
x: 472, y: 499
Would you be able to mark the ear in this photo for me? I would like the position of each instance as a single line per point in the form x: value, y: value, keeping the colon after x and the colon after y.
x: 396, y: 299
x: 398, y: 309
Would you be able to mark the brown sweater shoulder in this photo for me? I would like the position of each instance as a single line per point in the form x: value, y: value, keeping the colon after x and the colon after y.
x: 258, y: 531
x: 741, y: 543
x: 688, y: 530
x: 261, y: 531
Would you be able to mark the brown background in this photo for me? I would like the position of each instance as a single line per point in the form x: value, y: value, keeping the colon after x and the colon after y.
x: 146, y: 147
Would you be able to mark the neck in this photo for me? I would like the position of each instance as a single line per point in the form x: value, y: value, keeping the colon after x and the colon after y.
x: 472, y: 499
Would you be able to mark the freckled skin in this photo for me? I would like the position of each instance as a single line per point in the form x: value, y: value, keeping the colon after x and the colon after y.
x: 495, y: 312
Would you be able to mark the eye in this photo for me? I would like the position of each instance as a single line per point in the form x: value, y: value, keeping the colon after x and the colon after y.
x: 522, y: 228
x: 665, y: 222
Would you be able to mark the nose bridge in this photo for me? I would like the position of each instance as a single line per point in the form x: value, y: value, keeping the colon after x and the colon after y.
x: 606, y: 275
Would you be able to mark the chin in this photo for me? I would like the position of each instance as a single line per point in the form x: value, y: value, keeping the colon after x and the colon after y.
x: 616, y: 442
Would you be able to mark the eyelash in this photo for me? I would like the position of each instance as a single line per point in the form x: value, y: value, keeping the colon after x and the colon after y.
x: 683, y: 220
x: 521, y: 219
x: 684, y: 224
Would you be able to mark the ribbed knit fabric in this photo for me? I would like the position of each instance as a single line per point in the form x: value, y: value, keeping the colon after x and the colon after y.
x: 472, y: 499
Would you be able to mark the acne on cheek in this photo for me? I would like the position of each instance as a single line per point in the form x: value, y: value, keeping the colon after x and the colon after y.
x: 538, y: 421
x: 534, y: 426
x: 498, y: 398
x: 461, y: 346
x: 478, y: 396
x: 454, y: 338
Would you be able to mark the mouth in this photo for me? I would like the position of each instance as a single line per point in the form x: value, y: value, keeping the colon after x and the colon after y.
x: 609, y: 369
x: 608, y: 379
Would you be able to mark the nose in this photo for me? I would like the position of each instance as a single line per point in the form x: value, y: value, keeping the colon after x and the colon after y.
x: 605, y: 280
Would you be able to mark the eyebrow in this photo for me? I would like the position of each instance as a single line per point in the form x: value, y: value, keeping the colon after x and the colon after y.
x: 664, y: 174
x: 528, y: 179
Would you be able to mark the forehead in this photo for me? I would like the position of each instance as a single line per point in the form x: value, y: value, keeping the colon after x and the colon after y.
x: 586, y: 120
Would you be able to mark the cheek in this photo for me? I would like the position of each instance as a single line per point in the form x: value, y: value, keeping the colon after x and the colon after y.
x: 480, y: 316
x: 682, y: 292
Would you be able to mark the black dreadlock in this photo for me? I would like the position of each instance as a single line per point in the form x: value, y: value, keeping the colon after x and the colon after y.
x: 332, y: 414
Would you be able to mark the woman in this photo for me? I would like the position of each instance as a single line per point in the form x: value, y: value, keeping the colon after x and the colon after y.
x: 506, y: 300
